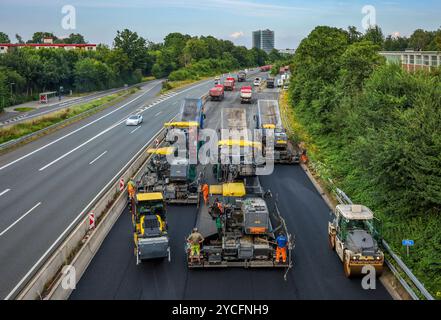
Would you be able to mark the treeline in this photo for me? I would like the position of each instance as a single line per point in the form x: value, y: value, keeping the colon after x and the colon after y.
x: 420, y: 40
x: 25, y: 72
x: 376, y: 129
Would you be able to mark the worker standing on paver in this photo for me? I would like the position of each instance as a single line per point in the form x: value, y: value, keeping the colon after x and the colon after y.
x: 282, y: 243
x: 205, y: 192
x: 195, y: 240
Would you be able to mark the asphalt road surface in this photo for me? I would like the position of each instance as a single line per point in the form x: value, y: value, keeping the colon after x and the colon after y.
x: 317, y: 272
x: 7, y: 118
x: 46, y: 185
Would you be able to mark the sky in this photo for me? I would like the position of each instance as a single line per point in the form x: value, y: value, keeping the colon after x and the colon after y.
x: 292, y: 20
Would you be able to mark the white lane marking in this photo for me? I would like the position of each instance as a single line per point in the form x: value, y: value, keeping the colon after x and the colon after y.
x: 96, y: 159
x: 19, y: 219
x: 135, y: 130
x: 81, y: 145
x: 5, y: 191
x: 98, y: 135
x: 75, y: 131
x: 158, y: 113
x: 31, y: 270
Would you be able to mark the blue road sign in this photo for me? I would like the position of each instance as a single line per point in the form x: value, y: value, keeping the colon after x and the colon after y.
x: 408, y: 243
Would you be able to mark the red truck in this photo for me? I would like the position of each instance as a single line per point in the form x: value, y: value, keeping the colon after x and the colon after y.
x: 246, y: 94
x: 229, y: 84
x: 217, y: 93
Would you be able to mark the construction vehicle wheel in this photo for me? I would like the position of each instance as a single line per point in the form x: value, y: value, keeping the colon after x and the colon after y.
x: 331, y: 240
x: 347, y: 268
x: 379, y: 272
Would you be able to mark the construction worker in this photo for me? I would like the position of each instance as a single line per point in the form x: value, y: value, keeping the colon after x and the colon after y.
x: 205, y: 192
x: 195, y: 240
x: 219, y: 226
x: 131, y: 189
x: 282, y: 243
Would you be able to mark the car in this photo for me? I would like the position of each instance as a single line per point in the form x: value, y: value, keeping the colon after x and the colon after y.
x: 257, y: 82
x: 279, y: 83
x: 134, y: 120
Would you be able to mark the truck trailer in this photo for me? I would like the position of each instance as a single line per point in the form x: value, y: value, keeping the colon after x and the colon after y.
x: 268, y: 118
x: 246, y: 94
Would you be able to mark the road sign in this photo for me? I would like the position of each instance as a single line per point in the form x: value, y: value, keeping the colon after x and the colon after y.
x: 121, y: 184
x: 91, y: 220
x: 408, y: 243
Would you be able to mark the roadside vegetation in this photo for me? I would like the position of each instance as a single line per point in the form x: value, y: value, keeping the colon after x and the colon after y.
x: 26, y: 72
x: 19, y: 130
x: 374, y: 130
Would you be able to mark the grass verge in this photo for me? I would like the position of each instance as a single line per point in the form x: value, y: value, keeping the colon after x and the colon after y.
x: 22, y: 129
x: 23, y: 109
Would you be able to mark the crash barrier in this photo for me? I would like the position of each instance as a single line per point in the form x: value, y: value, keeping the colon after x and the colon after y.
x: 60, y: 124
x: 344, y: 199
x: 82, y: 243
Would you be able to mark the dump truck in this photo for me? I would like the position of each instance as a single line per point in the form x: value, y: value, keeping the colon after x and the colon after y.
x: 242, y: 76
x: 243, y: 232
x: 229, y: 84
x: 353, y: 234
x: 246, y: 94
x: 268, y: 118
x: 270, y: 82
x: 217, y: 93
x: 150, y: 226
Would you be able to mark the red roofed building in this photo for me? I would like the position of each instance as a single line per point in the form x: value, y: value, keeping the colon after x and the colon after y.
x: 48, y: 43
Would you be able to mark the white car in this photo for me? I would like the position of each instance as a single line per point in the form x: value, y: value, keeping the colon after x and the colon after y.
x: 257, y: 82
x: 134, y: 120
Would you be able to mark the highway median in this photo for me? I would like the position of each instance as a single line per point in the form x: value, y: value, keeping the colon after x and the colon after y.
x: 14, y: 135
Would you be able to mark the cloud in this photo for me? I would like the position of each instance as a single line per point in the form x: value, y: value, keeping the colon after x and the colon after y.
x: 237, y: 34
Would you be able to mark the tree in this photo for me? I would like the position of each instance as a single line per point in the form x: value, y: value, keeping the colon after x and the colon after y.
x: 353, y: 34
x: 19, y: 39
x: 358, y: 62
x: 91, y: 74
x: 421, y: 39
x: 133, y: 46
x: 274, y: 56
x: 4, y: 38
x: 74, y: 38
x: 38, y: 37
x: 375, y: 35
x: 195, y: 50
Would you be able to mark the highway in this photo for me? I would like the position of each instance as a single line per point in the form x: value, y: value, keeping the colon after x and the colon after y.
x: 317, y: 272
x: 7, y: 118
x: 46, y: 186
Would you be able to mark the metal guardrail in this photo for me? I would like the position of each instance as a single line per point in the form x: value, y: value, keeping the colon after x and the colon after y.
x: 344, y: 199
